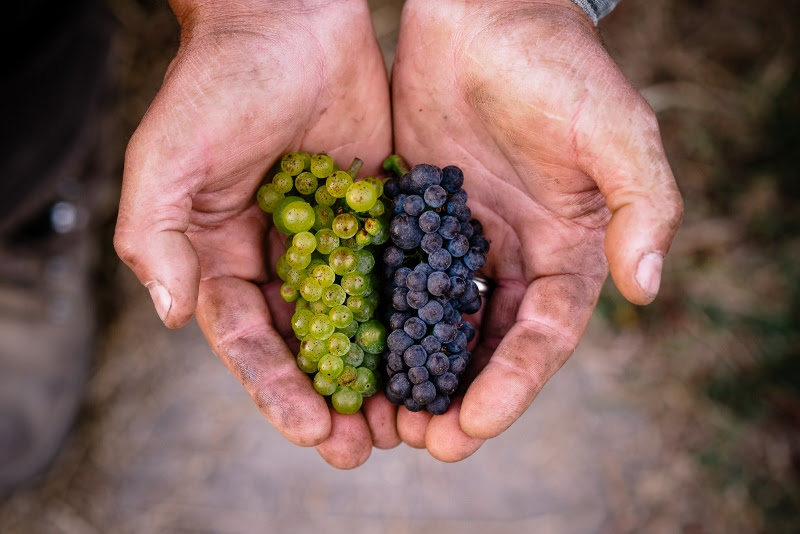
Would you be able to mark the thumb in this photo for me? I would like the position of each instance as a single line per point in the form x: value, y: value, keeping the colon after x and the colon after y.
x: 150, y: 238
x: 624, y: 154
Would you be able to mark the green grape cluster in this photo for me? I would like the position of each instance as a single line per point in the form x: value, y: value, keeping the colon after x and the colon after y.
x: 334, y: 226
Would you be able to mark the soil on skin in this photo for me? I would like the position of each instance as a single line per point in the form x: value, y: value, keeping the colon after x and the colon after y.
x: 678, y: 417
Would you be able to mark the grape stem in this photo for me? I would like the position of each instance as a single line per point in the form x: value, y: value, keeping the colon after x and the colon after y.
x: 355, y: 168
x: 396, y: 164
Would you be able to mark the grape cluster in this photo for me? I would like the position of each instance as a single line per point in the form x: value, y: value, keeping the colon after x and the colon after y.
x: 334, y: 226
x: 428, y: 266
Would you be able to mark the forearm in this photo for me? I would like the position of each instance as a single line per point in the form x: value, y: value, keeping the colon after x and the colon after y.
x: 597, y: 9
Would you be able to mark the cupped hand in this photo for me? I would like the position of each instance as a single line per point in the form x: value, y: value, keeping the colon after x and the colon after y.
x: 565, y: 169
x: 249, y: 83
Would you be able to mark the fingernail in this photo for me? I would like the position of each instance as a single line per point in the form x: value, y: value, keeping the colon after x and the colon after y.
x: 648, y: 273
x: 161, y: 298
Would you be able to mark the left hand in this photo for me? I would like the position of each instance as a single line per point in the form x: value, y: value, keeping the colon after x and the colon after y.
x: 565, y: 169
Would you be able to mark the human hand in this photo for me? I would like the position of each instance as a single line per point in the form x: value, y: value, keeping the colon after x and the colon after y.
x: 565, y: 169
x: 249, y: 83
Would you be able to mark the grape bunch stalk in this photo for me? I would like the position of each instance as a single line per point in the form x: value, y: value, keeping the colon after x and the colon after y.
x: 334, y: 226
x: 428, y: 268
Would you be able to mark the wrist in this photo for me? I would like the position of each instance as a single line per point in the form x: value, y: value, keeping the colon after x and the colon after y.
x: 249, y: 13
x: 449, y: 11
x: 597, y: 8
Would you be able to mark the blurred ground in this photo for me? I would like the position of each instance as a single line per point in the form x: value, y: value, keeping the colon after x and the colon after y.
x: 678, y: 417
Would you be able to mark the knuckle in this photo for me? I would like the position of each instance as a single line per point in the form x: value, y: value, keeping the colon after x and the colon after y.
x: 125, y: 247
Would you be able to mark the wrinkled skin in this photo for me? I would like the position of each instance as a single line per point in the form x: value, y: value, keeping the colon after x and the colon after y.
x: 565, y: 169
x: 250, y: 83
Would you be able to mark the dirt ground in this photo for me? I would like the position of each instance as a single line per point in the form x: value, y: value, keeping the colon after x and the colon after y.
x: 678, y: 417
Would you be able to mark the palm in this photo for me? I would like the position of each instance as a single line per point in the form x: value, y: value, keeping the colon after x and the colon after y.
x: 232, y: 102
x: 508, y: 97
x: 230, y: 116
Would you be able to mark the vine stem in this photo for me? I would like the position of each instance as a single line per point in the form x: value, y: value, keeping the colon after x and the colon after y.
x: 396, y: 165
x: 355, y: 168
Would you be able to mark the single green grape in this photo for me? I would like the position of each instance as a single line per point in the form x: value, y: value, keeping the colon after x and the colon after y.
x: 313, y: 348
x: 323, y: 216
x: 351, y: 243
x: 365, y: 382
x: 363, y: 238
x: 304, y: 242
x: 377, y: 183
x: 361, y: 196
x: 367, y: 310
x: 305, y: 364
x: 277, y: 214
x: 294, y: 277
x: 324, y: 198
x: 373, y: 226
x: 305, y: 183
x: 296, y: 259
x: 321, y: 326
x: 331, y: 366
x: 288, y: 293
x: 345, y: 225
x: 372, y: 298
x: 366, y: 261
x: 348, y: 376
x: 310, y: 289
x: 316, y: 260
x: 321, y: 165
x: 300, y: 304
x: 283, y: 182
x: 354, y: 356
x: 341, y: 316
x: 318, y: 308
x: 370, y: 361
x: 338, y: 344
x: 338, y: 183
x: 354, y: 283
x: 343, y: 260
x: 324, y: 275
x: 371, y: 336
x: 281, y: 267
x: 378, y: 209
x: 356, y: 303
x: 306, y: 159
x: 268, y: 197
x: 298, y: 216
x: 327, y: 241
x: 349, y: 330
x: 293, y: 163
x: 346, y: 400
x: 369, y: 282
x: 324, y: 385
x: 334, y: 295
x: 381, y: 237
x: 300, y: 321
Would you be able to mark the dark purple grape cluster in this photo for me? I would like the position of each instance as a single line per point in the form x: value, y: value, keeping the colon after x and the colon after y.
x: 436, y: 246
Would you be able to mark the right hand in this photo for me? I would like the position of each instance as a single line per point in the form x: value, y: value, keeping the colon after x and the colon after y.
x: 250, y: 82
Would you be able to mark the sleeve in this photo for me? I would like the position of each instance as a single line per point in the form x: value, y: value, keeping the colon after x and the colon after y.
x: 597, y: 9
